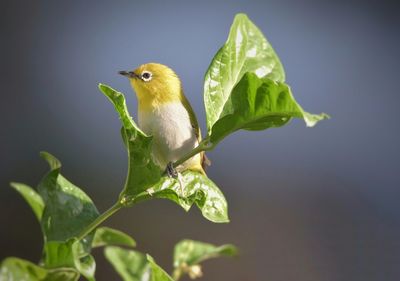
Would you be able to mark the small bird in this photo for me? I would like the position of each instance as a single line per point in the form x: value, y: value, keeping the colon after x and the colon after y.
x: 165, y: 113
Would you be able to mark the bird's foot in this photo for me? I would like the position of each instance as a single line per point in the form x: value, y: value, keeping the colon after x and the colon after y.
x: 171, y: 171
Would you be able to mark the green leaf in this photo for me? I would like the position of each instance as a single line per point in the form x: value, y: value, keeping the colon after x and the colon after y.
x: 15, y: 269
x: 192, y: 252
x: 130, y: 265
x: 59, y: 254
x: 106, y: 236
x: 258, y: 104
x: 68, y: 210
x: 31, y: 197
x: 69, y: 255
x: 246, y: 50
x: 157, y: 273
x: 188, y: 254
x: 62, y: 274
x: 135, y: 266
x: 87, y: 267
x: 142, y: 171
x: 196, y: 189
x: 53, y: 162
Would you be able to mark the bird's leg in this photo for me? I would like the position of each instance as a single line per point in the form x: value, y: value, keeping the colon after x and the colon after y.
x: 171, y: 171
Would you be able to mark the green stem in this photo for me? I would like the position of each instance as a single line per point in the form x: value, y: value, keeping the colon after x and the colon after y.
x: 176, y: 275
x: 100, y: 219
x: 204, y: 145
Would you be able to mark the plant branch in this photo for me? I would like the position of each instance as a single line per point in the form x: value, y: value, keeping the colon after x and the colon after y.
x: 100, y: 219
x: 204, y: 145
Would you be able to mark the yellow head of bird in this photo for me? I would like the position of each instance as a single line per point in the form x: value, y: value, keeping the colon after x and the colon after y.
x: 154, y: 84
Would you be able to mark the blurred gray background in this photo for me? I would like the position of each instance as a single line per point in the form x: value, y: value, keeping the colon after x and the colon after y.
x: 305, y: 204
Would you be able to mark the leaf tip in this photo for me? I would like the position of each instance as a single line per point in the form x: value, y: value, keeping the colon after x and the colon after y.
x: 16, y: 185
x: 325, y: 115
x: 150, y: 258
x: 53, y: 162
x: 312, y: 119
x: 109, y: 92
x: 102, y: 86
x: 217, y: 219
x: 226, y: 220
x: 241, y: 16
x: 231, y: 250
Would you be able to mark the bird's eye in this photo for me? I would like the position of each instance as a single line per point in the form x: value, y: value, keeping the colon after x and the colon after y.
x: 146, y: 76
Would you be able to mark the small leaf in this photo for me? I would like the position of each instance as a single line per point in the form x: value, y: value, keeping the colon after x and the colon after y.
x: 197, y: 189
x: 259, y: 104
x: 192, y: 252
x: 31, y: 197
x: 106, y: 236
x: 69, y: 255
x: 130, y: 265
x: 15, y: 269
x: 188, y: 254
x: 157, y: 273
x: 142, y: 171
x: 87, y: 267
x: 68, y: 210
x: 246, y: 50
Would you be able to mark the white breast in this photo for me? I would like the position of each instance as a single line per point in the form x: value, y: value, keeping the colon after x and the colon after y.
x: 173, y: 134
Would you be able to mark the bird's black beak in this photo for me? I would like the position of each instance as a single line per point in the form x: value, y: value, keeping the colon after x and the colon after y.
x: 129, y: 74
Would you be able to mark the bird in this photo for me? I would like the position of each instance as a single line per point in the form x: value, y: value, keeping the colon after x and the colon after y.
x: 165, y: 113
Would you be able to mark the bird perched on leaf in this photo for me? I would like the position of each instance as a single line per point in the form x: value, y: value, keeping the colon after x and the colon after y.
x: 165, y: 113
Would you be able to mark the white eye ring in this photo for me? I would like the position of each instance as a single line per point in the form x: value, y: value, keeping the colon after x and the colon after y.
x: 146, y: 76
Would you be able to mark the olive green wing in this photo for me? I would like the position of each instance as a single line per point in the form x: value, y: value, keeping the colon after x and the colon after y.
x: 195, y: 125
x: 192, y: 116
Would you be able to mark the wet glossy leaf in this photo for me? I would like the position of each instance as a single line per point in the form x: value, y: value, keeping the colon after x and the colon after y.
x: 142, y: 171
x: 106, y: 236
x: 130, y: 265
x: 31, y: 197
x: 195, y: 189
x: 246, y: 50
x: 191, y: 252
x: 15, y: 269
x: 68, y: 210
x: 157, y: 273
x: 258, y: 104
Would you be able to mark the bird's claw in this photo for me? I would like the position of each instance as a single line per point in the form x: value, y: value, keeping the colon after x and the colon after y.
x: 171, y: 171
